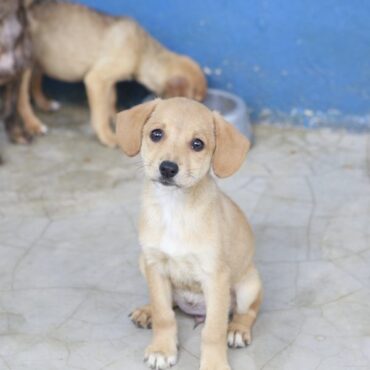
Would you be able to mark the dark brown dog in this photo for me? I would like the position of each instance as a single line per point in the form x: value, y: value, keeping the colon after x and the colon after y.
x: 15, y: 57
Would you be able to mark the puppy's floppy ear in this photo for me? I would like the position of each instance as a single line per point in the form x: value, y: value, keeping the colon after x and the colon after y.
x: 129, y: 126
x: 231, y: 147
x: 176, y: 86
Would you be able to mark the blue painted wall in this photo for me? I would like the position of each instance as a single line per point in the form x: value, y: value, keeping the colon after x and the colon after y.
x: 279, y: 54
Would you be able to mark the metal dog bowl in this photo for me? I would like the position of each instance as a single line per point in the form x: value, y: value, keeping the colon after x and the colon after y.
x: 230, y: 106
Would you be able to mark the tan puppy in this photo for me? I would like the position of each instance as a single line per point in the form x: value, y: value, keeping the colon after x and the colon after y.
x: 72, y: 43
x: 197, y: 246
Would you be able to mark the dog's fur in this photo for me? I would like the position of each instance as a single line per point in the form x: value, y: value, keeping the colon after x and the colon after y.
x: 15, y: 56
x: 73, y: 43
x: 197, y: 246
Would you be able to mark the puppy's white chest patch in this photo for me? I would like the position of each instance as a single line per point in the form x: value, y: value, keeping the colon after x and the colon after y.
x: 179, y: 251
x: 174, y: 241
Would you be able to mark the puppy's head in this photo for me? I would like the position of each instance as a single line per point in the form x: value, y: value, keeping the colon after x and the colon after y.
x: 180, y: 140
x: 185, y: 79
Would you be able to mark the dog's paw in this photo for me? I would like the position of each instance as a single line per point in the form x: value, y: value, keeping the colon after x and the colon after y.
x: 43, y: 130
x: 53, y: 106
x: 160, y: 359
x: 18, y: 136
x: 47, y: 105
x: 37, y: 129
x: 238, y: 336
x: 142, y: 317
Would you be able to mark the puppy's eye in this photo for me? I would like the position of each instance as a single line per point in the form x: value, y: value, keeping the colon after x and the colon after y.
x: 197, y: 145
x: 156, y: 135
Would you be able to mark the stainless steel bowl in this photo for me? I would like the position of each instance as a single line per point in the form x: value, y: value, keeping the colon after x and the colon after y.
x: 230, y: 106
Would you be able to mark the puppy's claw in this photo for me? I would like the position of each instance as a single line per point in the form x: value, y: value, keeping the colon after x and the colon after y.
x: 142, y: 317
x: 38, y: 129
x: 54, y: 106
x: 43, y: 130
x: 236, y: 339
x: 159, y: 361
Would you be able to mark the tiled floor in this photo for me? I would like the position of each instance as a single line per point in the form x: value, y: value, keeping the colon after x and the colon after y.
x: 68, y: 252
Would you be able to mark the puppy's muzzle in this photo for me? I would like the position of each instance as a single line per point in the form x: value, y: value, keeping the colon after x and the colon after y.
x: 168, y: 170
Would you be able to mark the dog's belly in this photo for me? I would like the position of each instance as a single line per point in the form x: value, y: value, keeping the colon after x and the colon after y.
x: 190, y: 302
x: 61, y: 60
x: 185, y: 275
x: 64, y: 69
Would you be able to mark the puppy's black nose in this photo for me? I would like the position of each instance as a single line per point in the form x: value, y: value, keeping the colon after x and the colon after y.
x: 168, y: 169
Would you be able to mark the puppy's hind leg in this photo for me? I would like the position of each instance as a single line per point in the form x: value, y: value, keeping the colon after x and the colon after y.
x: 38, y: 95
x: 248, y: 300
x: 31, y: 123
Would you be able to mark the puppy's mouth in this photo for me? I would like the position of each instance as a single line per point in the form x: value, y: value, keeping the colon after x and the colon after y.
x: 166, y: 182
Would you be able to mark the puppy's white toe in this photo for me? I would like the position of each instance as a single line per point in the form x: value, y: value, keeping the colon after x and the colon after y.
x: 236, y: 340
x: 158, y: 361
x: 43, y: 129
x: 54, y: 106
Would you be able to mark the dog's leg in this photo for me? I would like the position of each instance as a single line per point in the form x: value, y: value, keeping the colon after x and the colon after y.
x: 162, y: 352
x: 113, y: 102
x: 31, y: 123
x: 214, y: 348
x: 98, y: 88
x: 12, y: 123
x: 248, y: 300
x: 142, y: 316
x: 38, y: 95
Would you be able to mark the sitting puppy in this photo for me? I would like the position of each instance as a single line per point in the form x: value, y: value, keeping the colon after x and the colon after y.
x: 197, y: 246
x: 15, y: 56
x: 74, y: 43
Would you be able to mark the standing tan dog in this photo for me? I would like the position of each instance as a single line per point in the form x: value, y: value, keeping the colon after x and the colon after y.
x: 72, y: 43
x: 197, y: 246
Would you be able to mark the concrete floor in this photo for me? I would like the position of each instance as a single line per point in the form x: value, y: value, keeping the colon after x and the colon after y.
x: 68, y: 252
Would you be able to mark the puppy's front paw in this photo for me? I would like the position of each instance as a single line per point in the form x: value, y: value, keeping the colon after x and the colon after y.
x: 238, y: 336
x: 53, y: 106
x: 142, y: 317
x: 160, y: 358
